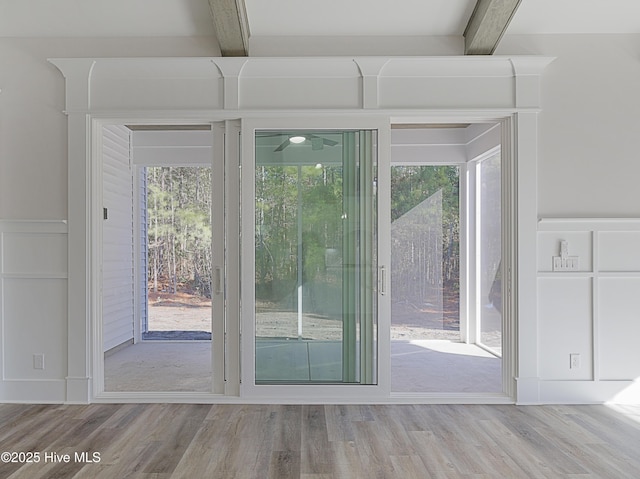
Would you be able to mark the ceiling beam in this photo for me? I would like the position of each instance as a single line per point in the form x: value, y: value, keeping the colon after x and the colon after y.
x: 487, y: 24
x: 232, y: 29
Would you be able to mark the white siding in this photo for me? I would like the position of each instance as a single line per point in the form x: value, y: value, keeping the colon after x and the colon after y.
x: 143, y: 249
x: 117, y: 258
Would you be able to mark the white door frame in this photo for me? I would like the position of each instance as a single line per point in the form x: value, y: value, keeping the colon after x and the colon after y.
x: 237, y: 371
x: 238, y: 328
x: 192, y: 89
x: 223, y: 152
x: 301, y: 392
x: 467, y: 255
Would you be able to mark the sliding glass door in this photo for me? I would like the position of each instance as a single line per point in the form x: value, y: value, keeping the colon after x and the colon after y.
x: 315, y: 257
x: 445, y: 235
x: 489, y: 251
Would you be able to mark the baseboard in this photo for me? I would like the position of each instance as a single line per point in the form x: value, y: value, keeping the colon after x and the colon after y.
x: 589, y: 392
x: 33, y: 391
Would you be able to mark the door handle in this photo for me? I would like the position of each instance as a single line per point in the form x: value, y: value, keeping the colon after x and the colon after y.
x: 382, y: 280
x: 218, y: 280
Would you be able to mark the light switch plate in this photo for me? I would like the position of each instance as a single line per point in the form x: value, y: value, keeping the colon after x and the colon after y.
x: 38, y: 361
x: 568, y: 263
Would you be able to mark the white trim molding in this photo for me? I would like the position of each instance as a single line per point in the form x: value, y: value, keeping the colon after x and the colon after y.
x: 371, y: 89
x: 198, y: 85
x: 33, y: 261
x: 596, y: 303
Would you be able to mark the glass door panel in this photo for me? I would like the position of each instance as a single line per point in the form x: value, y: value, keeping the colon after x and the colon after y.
x: 314, y: 257
x: 489, y: 252
x: 425, y: 276
x: 425, y: 253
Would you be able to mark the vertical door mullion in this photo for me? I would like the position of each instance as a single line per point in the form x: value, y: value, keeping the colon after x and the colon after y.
x: 218, y: 259
x: 231, y: 251
x: 383, y: 258
x: 367, y: 262
x: 349, y: 261
x: 467, y: 222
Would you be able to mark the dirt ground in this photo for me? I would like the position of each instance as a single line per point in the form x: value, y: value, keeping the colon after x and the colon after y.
x: 179, y: 312
x: 186, y: 312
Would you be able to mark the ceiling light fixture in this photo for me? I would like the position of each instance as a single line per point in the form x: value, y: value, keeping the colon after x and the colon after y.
x: 297, y: 139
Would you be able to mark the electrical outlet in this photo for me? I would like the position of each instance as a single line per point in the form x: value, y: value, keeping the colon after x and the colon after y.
x: 38, y: 361
x: 574, y: 361
x: 567, y: 263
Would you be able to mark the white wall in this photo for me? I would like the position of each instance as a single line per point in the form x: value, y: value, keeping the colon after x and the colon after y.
x: 360, y: 45
x: 33, y: 310
x: 588, y: 168
x: 33, y: 174
x: 33, y: 186
x: 588, y: 163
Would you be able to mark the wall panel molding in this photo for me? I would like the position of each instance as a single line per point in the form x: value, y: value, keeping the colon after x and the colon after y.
x: 33, y: 285
x: 322, y: 83
x: 609, y: 261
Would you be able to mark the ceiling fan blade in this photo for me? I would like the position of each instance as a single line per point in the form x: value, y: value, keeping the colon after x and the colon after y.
x: 282, y: 145
x: 325, y: 141
x: 317, y: 143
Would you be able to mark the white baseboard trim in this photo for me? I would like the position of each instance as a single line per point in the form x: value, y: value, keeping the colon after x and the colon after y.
x: 33, y: 391
x: 78, y: 390
x: 589, y: 392
x: 527, y: 390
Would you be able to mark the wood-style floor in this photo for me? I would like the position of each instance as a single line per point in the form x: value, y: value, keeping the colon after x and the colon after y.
x: 162, y: 441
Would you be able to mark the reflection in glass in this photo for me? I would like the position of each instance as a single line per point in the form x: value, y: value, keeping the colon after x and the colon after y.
x: 490, y: 251
x: 425, y: 253
x: 314, y: 230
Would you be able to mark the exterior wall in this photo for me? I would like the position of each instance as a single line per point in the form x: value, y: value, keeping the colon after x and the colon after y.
x: 117, y: 237
x: 141, y: 255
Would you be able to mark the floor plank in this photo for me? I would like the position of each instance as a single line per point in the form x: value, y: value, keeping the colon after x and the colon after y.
x: 179, y: 441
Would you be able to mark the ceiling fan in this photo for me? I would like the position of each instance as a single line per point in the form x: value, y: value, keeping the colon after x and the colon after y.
x: 317, y: 142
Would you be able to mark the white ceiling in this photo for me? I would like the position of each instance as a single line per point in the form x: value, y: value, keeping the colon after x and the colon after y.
x: 105, y: 18
x: 122, y: 18
x: 576, y: 16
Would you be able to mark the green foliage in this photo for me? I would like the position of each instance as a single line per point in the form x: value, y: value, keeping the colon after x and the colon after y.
x: 411, y: 185
x: 179, y: 228
x: 293, y: 201
x: 290, y: 201
x: 415, y: 251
